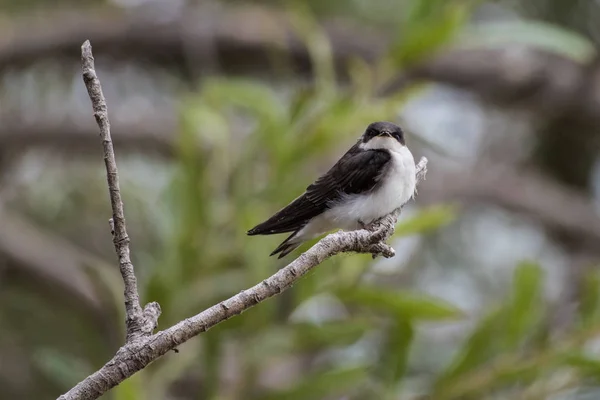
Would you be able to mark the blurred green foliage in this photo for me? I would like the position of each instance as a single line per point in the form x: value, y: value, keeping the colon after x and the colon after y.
x: 227, y: 180
x: 426, y: 26
x: 346, y: 337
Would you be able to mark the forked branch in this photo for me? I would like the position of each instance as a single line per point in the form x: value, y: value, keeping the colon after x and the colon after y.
x: 143, y: 347
x: 139, y: 322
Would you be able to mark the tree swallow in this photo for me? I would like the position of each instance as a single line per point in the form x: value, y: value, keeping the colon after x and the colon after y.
x: 375, y: 177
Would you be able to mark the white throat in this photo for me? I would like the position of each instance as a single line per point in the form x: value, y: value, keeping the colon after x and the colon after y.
x: 383, y: 142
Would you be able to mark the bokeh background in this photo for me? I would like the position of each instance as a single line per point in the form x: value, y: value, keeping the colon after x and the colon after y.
x: 224, y: 111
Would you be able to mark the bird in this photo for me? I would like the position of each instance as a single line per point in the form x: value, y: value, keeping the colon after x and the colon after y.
x: 373, y: 178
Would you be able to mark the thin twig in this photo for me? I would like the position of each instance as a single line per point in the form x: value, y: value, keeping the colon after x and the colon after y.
x: 143, y: 349
x: 135, y: 318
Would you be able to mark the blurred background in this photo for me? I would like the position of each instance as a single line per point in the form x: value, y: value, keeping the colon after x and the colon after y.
x: 224, y: 111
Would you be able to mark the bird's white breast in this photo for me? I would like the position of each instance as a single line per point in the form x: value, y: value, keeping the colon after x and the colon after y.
x: 396, y: 188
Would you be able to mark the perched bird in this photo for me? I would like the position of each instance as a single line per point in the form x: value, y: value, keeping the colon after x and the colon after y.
x: 375, y: 177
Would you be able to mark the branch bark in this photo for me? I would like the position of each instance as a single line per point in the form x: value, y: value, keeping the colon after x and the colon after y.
x: 142, y: 348
x: 139, y: 322
x: 138, y: 354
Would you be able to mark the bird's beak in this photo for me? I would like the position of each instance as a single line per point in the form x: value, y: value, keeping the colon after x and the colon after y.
x: 384, y: 133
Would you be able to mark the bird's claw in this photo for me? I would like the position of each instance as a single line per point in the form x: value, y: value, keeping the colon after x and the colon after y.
x: 379, y: 235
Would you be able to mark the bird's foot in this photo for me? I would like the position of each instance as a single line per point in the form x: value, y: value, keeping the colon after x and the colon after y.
x: 379, y: 235
x: 379, y: 232
x: 372, y: 226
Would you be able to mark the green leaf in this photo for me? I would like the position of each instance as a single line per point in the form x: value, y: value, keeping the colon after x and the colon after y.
x: 131, y: 388
x: 395, y: 351
x: 411, y: 306
x: 318, y: 45
x: 63, y: 369
x: 544, y: 36
x: 335, y: 333
x: 245, y: 94
x: 525, y: 304
x: 430, y: 25
x: 301, y: 102
x: 586, y: 365
x: 479, y: 348
x: 503, y: 329
x: 589, y: 309
x: 421, y: 10
x: 322, y: 384
x: 427, y: 220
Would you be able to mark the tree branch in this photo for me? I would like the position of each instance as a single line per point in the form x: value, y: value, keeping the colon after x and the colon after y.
x: 153, y: 135
x: 138, y: 322
x: 514, y: 76
x: 138, y: 354
x: 245, y: 38
x: 233, y: 37
x: 524, y: 191
x: 50, y: 258
x: 142, y: 347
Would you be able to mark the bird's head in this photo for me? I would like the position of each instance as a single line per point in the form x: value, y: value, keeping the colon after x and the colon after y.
x: 382, y: 134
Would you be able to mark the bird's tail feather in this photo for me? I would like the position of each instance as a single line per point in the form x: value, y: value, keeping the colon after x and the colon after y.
x: 287, y: 246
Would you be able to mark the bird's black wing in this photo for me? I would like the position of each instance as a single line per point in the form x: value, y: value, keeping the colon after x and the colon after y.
x: 356, y: 172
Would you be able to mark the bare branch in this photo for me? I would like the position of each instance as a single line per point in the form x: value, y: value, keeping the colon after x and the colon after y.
x: 138, y: 354
x: 153, y: 135
x: 553, y: 204
x: 237, y: 37
x: 142, y: 347
x: 514, y: 75
x: 136, y: 319
x: 245, y: 38
x: 49, y: 257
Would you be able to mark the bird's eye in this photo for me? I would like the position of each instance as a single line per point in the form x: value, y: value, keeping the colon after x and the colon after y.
x: 368, y: 135
x: 399, y: 137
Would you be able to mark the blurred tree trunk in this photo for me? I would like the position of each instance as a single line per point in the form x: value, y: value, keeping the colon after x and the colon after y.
x: 568, y: 144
